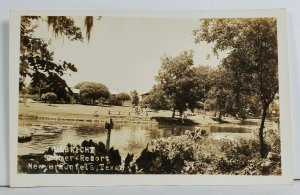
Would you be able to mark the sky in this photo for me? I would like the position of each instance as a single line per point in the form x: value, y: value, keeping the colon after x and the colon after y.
x: 124, y: 53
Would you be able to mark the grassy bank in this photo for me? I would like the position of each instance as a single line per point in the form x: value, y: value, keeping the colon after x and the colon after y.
x: 81, y: 113
x: 88, y: 113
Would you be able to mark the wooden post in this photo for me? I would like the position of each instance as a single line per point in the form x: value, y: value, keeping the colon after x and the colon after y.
x: 109, y: 126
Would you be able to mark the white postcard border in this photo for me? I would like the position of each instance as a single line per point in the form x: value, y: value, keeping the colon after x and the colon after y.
x: 28, y: 180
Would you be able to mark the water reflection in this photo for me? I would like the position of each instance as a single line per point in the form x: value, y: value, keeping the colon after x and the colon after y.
x: 125, y: 137
x: 228, y: 129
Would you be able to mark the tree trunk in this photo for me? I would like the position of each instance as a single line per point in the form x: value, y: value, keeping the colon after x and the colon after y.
x: 40, y: 95
x: 263, y: 148
x: 180, y: 112
x: 24, y: 99
x: 220, y: 116
x: 215, y: 110
x: 173, y: 115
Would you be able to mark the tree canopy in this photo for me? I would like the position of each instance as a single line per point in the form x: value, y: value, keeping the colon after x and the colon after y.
x: 123, y: 97
x: 50, y: 97
x: 178, y: 81
x: 156, y: 99
x: 93, y: 91
x: 252, y: 57
x: 36, y: 57
x: 134, y: 98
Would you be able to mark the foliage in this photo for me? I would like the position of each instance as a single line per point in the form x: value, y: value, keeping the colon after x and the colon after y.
x: 134, y: 98
x: 156, y: 99
x: 218, y: 97
x: 93, y: 91
x: 178, y: 81
x: 112, y: 100
x: 123, y: 97
x: 36, y: 57
x: 187, y: 155
x: 252, y: 57
x: 205, y: 77
x: 50, y: 97
x: 64, y: 26
x: 37, y: 89
x: 101, y: 160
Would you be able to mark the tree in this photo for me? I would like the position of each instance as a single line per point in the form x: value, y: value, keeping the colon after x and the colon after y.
x: 178, y: 81
x: 252, y: 47
x: 112, y: 100
x: 222, y: 89
x: 37, y: 89
x: 50, y: 97
x: 156, y: 99
x: 123, y: 97
x: 134, y: 98
x: 205, y: 76
x: 93, y: 91
x: 36, y: 58
x: 218, y: 96
x: 59, y: 24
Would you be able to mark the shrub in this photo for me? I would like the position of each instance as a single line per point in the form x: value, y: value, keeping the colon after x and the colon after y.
x: 208, y: 156
x: 50, y: 97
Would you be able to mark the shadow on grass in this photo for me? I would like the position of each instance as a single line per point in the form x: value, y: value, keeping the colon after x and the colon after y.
x: 174, y: 121
x: 97, y: 105
x: 244, y: 122
x: 52, y: 105
x: 219, y: 120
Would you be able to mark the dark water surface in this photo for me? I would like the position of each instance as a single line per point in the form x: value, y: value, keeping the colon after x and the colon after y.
x: 125, y: 137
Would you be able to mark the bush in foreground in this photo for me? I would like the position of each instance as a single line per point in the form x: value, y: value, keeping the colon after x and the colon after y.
x: 205, y: 155
x: 188, y: 154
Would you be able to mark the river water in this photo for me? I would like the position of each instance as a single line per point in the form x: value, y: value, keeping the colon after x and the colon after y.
x: 125, y: 137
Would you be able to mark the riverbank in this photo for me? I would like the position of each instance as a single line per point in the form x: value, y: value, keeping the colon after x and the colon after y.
x: 81, y: 113
x: 120, y: 114
x: 88, y: 113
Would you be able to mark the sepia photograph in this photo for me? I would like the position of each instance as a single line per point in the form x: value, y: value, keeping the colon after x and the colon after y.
x: 114, y: 95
